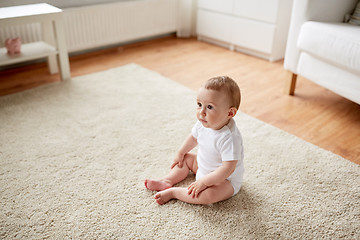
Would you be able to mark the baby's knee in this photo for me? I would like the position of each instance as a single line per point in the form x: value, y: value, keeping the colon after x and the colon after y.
x: 190, y: 160
x: 218, y: 193
x: 208, y: 197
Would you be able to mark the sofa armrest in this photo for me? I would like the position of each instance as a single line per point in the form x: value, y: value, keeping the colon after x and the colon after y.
x: 312, y: 10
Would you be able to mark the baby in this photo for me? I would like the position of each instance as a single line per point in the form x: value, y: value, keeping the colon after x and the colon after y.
x: 218, y: 164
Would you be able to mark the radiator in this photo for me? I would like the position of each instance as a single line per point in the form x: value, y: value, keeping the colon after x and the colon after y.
x: 106, y: 24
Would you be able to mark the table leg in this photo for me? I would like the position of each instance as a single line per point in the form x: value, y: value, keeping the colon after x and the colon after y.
x: 63, y: 54
x: 48, y: 37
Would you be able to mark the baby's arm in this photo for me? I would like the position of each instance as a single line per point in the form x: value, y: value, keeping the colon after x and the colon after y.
x: 213, y: 178
x: 189, y: 143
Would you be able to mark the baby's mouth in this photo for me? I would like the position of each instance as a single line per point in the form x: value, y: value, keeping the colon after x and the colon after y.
x: 202, y: 120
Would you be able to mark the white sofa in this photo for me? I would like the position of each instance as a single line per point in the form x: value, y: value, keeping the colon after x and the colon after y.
x: 324, y: 49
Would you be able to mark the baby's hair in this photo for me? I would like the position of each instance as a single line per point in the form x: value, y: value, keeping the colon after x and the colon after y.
x: 225, y: 83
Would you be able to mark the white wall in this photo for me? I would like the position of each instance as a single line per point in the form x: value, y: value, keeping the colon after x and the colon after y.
x: 56, y: 3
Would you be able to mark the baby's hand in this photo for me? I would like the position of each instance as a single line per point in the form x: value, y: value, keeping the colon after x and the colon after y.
x: 179, y: 160
x: 196, y: 188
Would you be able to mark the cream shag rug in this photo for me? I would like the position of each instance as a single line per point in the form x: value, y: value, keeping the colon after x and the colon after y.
x: 74, y: 156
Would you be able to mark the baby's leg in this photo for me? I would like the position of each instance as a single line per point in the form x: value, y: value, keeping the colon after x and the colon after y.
x: 175, y: 175
x: 212, y: 194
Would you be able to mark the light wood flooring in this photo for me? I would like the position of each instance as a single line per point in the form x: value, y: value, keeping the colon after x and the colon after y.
x: 313, y: 114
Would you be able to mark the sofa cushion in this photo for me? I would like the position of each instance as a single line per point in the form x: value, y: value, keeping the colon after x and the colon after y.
x: 337, y: 43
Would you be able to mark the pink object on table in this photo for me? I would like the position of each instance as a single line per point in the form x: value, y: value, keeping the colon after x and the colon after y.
x: 13, y: 45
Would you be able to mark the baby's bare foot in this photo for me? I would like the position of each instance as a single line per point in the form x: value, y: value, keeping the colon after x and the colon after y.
x: 164, y: 196
x: 157, y: 185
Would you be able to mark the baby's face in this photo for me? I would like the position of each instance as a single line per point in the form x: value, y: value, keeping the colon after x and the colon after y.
x: 213, y: 108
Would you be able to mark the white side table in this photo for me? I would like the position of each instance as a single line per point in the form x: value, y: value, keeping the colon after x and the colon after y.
x: 53, y: 46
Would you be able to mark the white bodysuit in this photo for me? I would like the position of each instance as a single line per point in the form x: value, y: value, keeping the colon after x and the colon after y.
x: 216, y: 146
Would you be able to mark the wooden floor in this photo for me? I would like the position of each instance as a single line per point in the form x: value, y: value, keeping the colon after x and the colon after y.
x: 313, y: 114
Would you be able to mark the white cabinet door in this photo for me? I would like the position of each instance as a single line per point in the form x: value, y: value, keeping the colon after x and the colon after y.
x: 214, y: 25
x: 224, y: 6
x: 253, y: 35
x: 263, y: 10
x: 257, y: 27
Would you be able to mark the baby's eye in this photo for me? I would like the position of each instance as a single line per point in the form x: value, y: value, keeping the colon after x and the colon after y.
x: 199, y: 104
x: 210, y: 107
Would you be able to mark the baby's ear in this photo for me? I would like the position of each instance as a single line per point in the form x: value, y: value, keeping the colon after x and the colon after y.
x: 232, y: 112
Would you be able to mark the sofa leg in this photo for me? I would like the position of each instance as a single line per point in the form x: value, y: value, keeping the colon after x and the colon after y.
x: 290, y: 83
